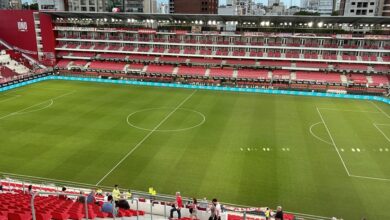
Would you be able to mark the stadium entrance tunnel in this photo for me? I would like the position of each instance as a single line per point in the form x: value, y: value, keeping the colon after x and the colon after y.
x: 166, y: 119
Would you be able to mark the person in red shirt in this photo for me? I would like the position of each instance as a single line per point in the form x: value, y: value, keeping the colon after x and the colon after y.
x: 176, y: 207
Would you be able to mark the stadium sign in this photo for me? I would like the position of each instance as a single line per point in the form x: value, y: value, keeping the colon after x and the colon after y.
x: 22, y: 25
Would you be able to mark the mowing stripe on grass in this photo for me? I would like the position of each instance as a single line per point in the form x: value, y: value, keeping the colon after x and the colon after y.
x: 334, y: 143
x: 347, y: 110
x: 146, y: 137
x: 370, y: 178
x: 32, y: 106
x: 380, y: 130
x: 314, y: 135
x: 388, y: 116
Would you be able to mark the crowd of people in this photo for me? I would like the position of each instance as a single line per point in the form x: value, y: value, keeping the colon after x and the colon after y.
x: 119, y: 200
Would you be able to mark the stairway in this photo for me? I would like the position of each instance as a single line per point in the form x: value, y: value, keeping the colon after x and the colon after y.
x: 293, y: 76
x: 175, y: 70
x: 344, y: 79
x: 369, y: 80
x: 207, y: 73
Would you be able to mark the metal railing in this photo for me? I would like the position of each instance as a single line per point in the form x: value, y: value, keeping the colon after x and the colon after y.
x: 34, y: 194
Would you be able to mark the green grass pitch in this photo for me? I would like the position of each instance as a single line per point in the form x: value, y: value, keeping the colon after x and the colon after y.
x: 321, y: 156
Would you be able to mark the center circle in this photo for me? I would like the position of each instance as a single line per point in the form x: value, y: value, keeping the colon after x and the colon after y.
x: 194, y: 118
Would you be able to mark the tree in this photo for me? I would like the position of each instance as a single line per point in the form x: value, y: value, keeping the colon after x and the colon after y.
x: 34, y: 6
x: 306, y: 13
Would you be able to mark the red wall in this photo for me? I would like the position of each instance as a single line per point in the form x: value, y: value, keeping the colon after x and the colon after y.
x: 23, y: 39
x: 48, y: 39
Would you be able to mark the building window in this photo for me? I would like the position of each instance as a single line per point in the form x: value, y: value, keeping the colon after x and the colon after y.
x: 365, y: 4
x: 353, y: 3
x: 352, y: 11
x: 359, y: 4
x: 372, y: 3
x: 371, y: 11
x: 364, y: 12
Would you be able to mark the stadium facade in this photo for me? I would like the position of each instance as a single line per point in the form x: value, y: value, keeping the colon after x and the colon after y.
x: 333, y: 54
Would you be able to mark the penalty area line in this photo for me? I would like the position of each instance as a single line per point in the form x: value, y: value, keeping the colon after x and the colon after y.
x: 146, y: 137
x: 333, y: 142
x: 32, y: 106
x: 380, y: 109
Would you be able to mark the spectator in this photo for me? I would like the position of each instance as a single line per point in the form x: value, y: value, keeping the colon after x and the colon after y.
x: 108, y: 207
x: 1, y: 187
x: 176, y: 207
x: 81, y: 197
x: 127, y: 195
x: 122, y: 203
x: 215, y: 210
x: 279, y: 213
x: 29, y: 190
x: 116, y: 193
x: 194, y: 209
x: 91, y: 197
x: 267, y: 214
x: 62, y: 196
x: 99, y: 192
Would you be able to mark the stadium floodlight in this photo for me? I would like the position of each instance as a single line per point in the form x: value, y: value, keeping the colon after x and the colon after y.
x: 196, y: 22
x: 200, y: 22
x: 388, y: 25
x: 267, y: 23
x: 214, y: 22
x: 366, y: 25
x: 262, y: 23
x: 372, y: 25
x: 290, y: 23
x: 310, y: 24
x: 320, y: 24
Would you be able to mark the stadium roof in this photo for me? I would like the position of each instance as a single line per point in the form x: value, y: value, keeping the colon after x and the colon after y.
x: 223, y: 18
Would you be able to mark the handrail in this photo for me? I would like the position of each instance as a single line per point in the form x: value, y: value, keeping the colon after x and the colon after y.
x: 58, y: 194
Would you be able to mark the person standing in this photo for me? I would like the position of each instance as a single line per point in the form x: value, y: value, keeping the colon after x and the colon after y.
x: 279, y: 213
x: 176, y: 207
x: 116, y: 193
x: 215, y: 210
x: 194, y: 209
x: 267, y: 214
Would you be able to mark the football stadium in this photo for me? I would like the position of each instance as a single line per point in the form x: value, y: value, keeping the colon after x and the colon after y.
x: 267, y: 114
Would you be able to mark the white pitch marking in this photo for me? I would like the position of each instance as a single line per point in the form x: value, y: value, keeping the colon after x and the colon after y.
x: 380, y: 130
x: 353, y: 149
x: 241, y: 149
x: 22, y: 110
x: 168, y: 130
x: 268, y: 149
x: 381, y: 110
x: 371, y: 178
x: 341, y: 149
x: 12, y: 97
x: 334, y: 143
x: 146, y: 137
x: 346, y: 110
x: 249, y: 149
x: 380, y: 149
x: 312, y: 133
x: 357, y: 149
x: 263, y: 149
x: 387, y: 149
x: 288, y: 149
x: 283, y: 149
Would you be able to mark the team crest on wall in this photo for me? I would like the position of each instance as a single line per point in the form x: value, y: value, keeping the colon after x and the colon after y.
x: 22, y: 26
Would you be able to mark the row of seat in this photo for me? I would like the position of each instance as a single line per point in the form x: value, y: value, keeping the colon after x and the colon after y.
x: 234, y: 62
x: 372, y: 80
x: 16, y: 206
x: 258, y: 43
